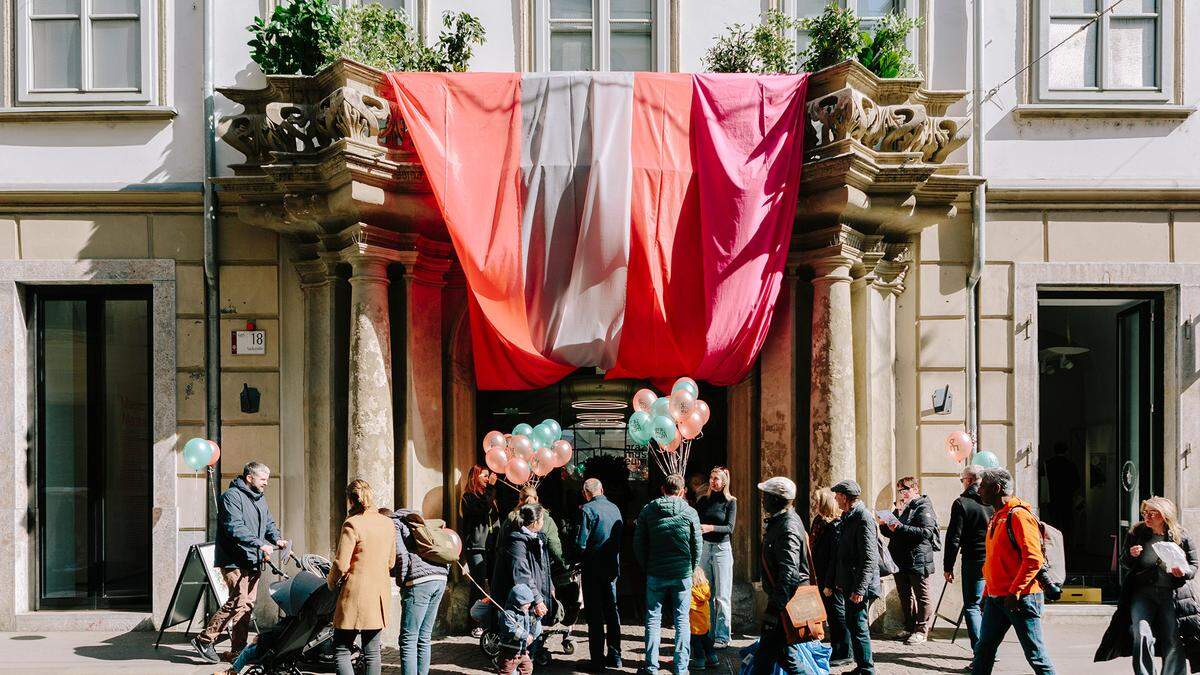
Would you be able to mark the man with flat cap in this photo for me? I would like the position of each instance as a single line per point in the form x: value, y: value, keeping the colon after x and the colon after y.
x: 857, y: 580
x: 785, y: 564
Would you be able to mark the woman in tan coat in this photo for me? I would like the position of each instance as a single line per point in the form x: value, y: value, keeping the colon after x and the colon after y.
x: 365, y: 554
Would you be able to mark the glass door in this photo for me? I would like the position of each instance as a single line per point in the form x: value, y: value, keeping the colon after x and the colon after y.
x: 1137, y: 412
x: 94, y: 447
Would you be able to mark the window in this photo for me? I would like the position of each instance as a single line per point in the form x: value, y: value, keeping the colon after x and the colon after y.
x: 84, y: 50
x: 94, y: 420
x: 869, y: 11
x: 1117, y: 55
x: 614, y: 35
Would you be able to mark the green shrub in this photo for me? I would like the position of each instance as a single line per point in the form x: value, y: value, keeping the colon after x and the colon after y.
x: 291, y: 41
x: 886, y: 52
x: 765, y: 48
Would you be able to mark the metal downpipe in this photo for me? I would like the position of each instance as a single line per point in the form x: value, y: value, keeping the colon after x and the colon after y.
x: 212, y: 304
x: 979, y: 216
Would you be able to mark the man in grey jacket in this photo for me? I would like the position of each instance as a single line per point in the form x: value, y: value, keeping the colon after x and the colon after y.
x: 246, y: 533
x: 857, y: 579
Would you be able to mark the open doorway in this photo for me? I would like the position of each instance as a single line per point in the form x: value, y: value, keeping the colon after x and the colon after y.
x: 1100, y: 422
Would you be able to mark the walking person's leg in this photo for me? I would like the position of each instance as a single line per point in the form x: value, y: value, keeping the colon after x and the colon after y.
x: 1143, y: 610
x: 681, y: 599
x: 343, y: 641
x: 972, y: 594
x: 1174, y: 657
x: 923, y: 593
x: 224, y: 613
x: 653, y: 634
x: 860, y: 634
x: 770, y: 646
x: 240, y: 621
x: 410, y: 628
x: 1026, y: 620
x: 612, y: 620
x: 722, y: 591
x: 431, y: 597
x: 992, y: 629
x: 908, y: 603
x: 371, y: 640
x: 593, y: 601
x: 839, y: 635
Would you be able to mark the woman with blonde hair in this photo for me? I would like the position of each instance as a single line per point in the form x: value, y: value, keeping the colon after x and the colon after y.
x: 718, y: 516
x: 1157, y: 612
x: 366, y: 551
x: 824, y: 533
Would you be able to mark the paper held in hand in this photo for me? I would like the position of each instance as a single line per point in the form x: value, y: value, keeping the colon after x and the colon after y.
x: 1170, y: 555
x: 887, y: 517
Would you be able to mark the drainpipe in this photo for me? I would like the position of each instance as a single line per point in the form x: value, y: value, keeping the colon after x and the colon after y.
x: 979, y: 212
x: 212, y: 299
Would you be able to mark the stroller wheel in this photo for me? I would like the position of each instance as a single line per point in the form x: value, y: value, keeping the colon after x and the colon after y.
x: 542, y: 658
x: 489, y: 642
x: 568, y: 647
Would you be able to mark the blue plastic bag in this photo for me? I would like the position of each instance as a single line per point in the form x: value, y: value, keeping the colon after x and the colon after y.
x: 813, y: 655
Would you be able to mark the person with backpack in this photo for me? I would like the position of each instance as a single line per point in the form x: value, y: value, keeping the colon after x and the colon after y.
x: 421, y: 572
x: 913, y: 537
x: 1012, y: 564
x: 366, y: 552
x: 969, y: 518
x: 858, y: 564
x: 1157, y: 611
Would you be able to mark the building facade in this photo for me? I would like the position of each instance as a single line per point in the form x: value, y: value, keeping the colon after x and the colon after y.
x: 1081, y: 365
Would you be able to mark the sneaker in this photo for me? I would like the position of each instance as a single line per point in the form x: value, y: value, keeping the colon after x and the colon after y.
x: 915, y: 639
x: 837, y: 663
x: 713, y: 661
x: 205, y: 651
x: 697, y: 664
x: 614, y: 661
x: 902, y: 635
x: 720, y: 645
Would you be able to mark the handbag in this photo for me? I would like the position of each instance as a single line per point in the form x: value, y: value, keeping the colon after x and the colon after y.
x: 804, y: 615
x: 887, y: 566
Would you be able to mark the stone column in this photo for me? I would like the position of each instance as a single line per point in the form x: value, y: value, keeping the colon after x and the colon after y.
x: 875, y: 370
x: 777, y: 398
x: 423, y: 455
x: 319, y: 282
x: 832, y: 450
x: 370, y: 454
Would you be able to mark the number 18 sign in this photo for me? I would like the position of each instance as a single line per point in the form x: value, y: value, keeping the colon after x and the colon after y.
x: 249, y: 342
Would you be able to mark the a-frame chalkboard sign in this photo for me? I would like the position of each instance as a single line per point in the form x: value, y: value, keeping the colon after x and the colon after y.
x: 198, y: 578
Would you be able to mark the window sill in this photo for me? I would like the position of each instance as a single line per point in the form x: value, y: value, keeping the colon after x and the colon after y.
x: 1032, y: 111
x: 116, y: 113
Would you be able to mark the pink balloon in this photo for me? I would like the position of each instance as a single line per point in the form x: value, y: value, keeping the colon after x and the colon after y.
x: 704, y: 411
x: 543, y: 461
x: 493, y: 439
x: 674, y: 444
x: 643, y: 400
x: 518, y: 470
x: 681, y: 403
x: 497, y: 459
x: 690, y: 425
x: 685, y: 379
x: 520, y: 446
x: 562, y: 452
x: 454, y: 538
x: 216, y: 454
x: 959, y: 446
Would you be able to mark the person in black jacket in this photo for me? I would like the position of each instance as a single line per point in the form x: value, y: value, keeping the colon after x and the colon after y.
x: 718, y: 517
x: 967, y: 532
x: 599, y: 544
x: 525, y: 559
x: 246, y: 533
x: 477, y: 516
x: 785, y: 567
x: 826, y: 529
x: 1158, y: 612
x: 857, y: 575
x: 914, y: 537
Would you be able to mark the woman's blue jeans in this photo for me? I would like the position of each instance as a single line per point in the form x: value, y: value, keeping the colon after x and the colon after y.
x: 420, y: 606
x: 717, y: 561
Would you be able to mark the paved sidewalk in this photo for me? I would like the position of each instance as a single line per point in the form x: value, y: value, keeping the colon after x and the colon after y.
x: 1071, y: 647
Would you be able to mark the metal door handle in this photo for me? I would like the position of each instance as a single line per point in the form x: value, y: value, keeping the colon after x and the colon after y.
x: 1128, y: 475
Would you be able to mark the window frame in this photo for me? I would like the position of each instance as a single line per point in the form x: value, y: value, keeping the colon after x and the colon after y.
x: 1164, y: 54
x: 147, y: 41
x: 660, y: 35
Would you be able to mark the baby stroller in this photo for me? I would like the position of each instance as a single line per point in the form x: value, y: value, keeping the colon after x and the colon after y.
x: 303, y: 638
x: 567, y: 593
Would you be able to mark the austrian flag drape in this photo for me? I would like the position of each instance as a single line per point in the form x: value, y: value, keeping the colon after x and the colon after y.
x: 638, y: 222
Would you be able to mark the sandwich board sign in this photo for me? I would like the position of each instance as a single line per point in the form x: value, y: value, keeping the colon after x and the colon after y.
x: 198, y: 578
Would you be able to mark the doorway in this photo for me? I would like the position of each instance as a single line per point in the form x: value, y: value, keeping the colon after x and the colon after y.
x: 94, y: 413
x: 1100, y: 360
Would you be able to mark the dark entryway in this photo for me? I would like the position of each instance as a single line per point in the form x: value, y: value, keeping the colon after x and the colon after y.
x: 94, y: 414
x: 1101, y: 371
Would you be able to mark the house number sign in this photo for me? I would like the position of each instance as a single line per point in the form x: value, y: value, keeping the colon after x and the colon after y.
x: 246, y: 342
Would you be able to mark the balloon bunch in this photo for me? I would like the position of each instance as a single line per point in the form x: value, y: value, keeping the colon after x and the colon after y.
x: 199, y: 453
x: 528, y: 454
x: 668, y: 424
x: 959, y: 447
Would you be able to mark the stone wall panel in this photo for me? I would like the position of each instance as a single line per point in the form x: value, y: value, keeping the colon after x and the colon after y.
x: 67, y: 238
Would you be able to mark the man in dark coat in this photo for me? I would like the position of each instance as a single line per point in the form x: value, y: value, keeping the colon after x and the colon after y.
x: 524, y: 558
x: 914, y: 537
x: 785, y: 565
x: 599, y: 544
x: 246, y: 533
x: 967, y: 532
x: 857, y: 576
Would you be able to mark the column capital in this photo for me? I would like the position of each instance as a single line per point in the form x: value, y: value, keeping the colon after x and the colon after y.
x: 429, y: 263
x: 832, y: 252
x: 890, y: 267
x: 316, y: 272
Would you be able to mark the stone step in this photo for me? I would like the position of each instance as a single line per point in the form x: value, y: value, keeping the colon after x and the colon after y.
x: 1078, y: 614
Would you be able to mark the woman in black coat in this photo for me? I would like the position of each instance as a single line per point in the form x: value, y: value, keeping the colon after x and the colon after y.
x: 524, y: 558
x: 824, y: 533
x: 1158, y: 612
x: 476, y: 518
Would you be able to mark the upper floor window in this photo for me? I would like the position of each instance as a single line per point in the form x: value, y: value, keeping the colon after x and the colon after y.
x: 869, y: 11
x: 84, y: 50
x: 614, y: 35
x: 1108, y: 52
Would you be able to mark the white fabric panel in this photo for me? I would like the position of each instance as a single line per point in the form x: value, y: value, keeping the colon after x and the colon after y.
x: 575, y: 230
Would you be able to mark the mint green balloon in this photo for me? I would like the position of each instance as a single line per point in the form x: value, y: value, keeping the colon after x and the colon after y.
x: 664, y: 430
x: 522, y: 429
x: 555, y: 428
x: 661, y: 407
x: 640, y: 427
x: 987, y: 459
x: 196, y: 453
x: 545, y: 433
x: 687, y: 385
x: 537, y: 442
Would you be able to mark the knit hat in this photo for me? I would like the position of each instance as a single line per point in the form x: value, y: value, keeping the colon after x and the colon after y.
x: 848, y: 488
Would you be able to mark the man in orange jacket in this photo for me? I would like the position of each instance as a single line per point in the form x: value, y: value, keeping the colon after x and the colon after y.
x: 1012, y: 595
